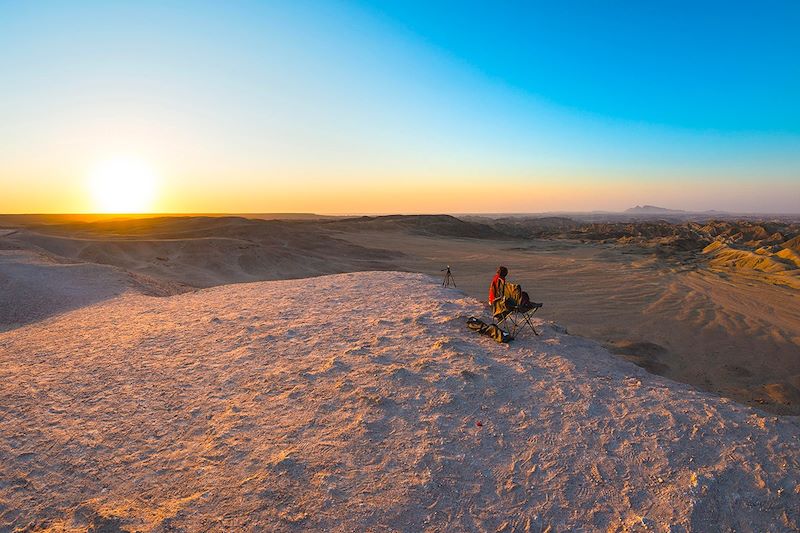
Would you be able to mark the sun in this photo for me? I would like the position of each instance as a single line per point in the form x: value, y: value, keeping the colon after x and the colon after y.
x: 122, y: 185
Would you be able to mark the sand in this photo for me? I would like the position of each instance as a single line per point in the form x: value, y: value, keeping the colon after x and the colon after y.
x: 705, y: 319
x: 34, y: 286
x: 245, y: 408
x: 198, y: 252
x: 727, y: 333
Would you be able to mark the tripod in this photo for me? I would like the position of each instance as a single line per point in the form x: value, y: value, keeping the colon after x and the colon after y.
x: 448, y: 277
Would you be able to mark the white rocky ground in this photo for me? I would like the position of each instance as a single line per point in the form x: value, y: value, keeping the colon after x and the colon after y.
x: 362, y: 402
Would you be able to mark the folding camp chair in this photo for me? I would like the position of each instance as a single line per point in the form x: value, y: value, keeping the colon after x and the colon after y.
x: 514, y: 318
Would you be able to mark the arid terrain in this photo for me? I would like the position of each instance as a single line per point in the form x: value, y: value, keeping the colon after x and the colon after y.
x: 712, y: 303
x: 361, y: 402
x: 153, y: 382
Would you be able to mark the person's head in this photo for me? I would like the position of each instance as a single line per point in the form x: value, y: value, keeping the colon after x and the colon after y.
x: 502, y: 272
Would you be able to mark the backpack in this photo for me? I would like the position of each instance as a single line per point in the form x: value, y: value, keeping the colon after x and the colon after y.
x: 513, y: 297
x: 490, y: 330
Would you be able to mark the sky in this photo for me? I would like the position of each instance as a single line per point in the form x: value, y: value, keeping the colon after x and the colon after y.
x: 398, y: 107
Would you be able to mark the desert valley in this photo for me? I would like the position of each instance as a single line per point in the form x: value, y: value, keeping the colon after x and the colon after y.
x: 712, y: 303
x: 161, y: 369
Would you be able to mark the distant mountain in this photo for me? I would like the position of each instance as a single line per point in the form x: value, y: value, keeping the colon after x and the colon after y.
x: 652, y: 210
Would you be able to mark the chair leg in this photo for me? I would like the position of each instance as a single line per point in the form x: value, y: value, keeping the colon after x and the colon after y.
x: 512, y: 322
x: 528, y: 320
x: 507, y: 324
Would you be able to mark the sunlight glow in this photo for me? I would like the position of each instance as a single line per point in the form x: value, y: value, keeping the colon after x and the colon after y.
x: 122, y: 185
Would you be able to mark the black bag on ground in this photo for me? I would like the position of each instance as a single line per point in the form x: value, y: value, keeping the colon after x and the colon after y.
x: 490, y: 330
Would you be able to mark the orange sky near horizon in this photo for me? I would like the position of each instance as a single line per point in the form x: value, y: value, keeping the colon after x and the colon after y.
x: 475, y: 194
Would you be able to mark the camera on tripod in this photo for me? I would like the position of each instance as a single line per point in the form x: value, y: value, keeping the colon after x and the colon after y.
x: 448, y: 277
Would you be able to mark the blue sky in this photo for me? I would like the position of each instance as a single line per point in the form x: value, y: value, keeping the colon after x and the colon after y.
x: 386, y: 106
x: 724, y: 66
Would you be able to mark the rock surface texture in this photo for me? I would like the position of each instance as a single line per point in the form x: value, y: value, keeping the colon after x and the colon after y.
x: 361, y: 402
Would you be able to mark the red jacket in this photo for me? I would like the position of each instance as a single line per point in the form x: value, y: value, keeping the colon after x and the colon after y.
x: 496, y: 288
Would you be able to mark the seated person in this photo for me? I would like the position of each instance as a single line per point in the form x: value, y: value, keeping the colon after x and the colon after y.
x: 504, y: 297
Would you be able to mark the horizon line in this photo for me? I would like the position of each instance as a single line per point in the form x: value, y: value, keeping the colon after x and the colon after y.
x: 668, y: 211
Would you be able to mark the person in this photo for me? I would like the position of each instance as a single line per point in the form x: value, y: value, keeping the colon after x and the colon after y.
x: 498, y: 283
x: 499, y: 297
